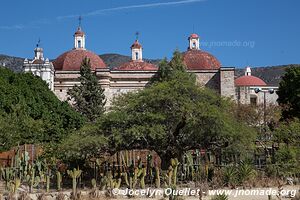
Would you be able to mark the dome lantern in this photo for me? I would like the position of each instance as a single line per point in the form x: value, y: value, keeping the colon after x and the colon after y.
x: 194, y: 42
x: 79, y: 37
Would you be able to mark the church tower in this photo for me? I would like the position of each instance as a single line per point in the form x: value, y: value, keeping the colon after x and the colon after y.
x: 79, y: 37
x: 248, y: 71
x: 40, y: 66
x: 194, y: 42
x: 137, y: 50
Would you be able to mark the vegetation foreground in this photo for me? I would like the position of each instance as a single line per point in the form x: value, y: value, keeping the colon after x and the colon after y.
x: 194, y: 137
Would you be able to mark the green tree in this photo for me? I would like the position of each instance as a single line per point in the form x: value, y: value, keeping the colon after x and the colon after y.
x: 289, y: 93
x: 174, y: 116
x: 88, y: 97
x: 31, y: 113
x: 166, y: 70
x: 287, y: 136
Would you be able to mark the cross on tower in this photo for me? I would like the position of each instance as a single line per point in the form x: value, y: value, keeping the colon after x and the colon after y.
x: 79, y: 20
x: 38, y: 43
x: 137, y: 35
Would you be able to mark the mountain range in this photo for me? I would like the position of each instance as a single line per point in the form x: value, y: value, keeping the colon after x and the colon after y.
x: 270, y: 74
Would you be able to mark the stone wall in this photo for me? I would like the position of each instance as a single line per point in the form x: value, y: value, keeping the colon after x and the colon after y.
x: 227, y: 88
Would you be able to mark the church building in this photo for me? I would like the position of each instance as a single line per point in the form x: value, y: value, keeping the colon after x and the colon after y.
x: 63, y: 73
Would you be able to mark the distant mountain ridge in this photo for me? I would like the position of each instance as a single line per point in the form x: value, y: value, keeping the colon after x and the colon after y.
x: 270, y: 74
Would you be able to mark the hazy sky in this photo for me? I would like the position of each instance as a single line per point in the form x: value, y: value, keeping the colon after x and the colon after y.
x: 237, y: 32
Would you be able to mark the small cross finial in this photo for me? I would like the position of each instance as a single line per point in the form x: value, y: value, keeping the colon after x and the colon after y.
x: 137, y: 35
x: 79, y: 21
x: 38, y: 43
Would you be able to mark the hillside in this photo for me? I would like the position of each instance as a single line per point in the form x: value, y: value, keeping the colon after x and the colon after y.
x: 271, y: 74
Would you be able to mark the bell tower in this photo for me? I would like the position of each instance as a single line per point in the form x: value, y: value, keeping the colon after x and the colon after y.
x: 194, y: 42
x: 79, y: 37
x: 248, y: 71
x: 137, y: 50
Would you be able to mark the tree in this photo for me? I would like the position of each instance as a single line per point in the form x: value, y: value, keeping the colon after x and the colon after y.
x: 289, y: 93
x: 174, y: 116
x: 287, y: 136
x: 88, y: 97
x: 31, y: 113
x: 167, y: 69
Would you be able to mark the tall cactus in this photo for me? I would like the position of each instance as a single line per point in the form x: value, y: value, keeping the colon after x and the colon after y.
x: 157, y: 177
x: 74, y: 174
x: 58, y: 180
x: 7, y: 176
x: 174, y: 163
x: 142, y: 177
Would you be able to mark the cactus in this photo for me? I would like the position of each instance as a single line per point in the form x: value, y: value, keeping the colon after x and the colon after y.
x: 135, y: 177
x: 74, y: 174
x: 142, y: 177
x: 117, y: 183
x: 7, y: 176
x: 47, y: 183
x: 59, y: 180
x: 169, y: 175
x: 126, y: 179
x: 157, y: 177
x: 174, y: 163
x: 14, y: 185
x: 31, y: 178
x: 94, y: 183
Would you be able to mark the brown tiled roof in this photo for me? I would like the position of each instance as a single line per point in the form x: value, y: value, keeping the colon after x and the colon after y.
x: 137, y: 65
x: 198, y: 59
x: 136, y: 45
x: 79, y: 32
x: 71, y: 60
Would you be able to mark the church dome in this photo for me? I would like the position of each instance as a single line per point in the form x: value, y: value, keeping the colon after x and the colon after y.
x: 249, y: 81
x: 196, y: 59
x: 137, y: 65
x: 71, y: 60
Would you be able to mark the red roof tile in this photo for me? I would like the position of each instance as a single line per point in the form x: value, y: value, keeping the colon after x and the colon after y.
x: 194, y: 35
x: 198, y: 59
x: 137, y: 65
x: 249, y: 81
x: 79, y: 32
x: 71, y: 60
x: 136, y: 45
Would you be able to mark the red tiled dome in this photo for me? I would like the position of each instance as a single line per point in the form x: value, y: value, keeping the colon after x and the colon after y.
x: 249, y: 81
x: 137, y: 65
x: 194, y: 35
x: 198, y: 59
x: 136, y: 45
x: 71, y: 60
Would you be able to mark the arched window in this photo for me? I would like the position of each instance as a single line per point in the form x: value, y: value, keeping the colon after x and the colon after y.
x: 79, y: 43
x: 136, y: 55
x: 194, y: 45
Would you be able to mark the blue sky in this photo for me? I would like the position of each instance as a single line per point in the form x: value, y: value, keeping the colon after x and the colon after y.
x: 237, y: 32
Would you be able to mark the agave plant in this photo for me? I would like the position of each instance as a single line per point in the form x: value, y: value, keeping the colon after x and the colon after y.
x: 220, y: 197
x: 229, y: 175
x: 246, y: 172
